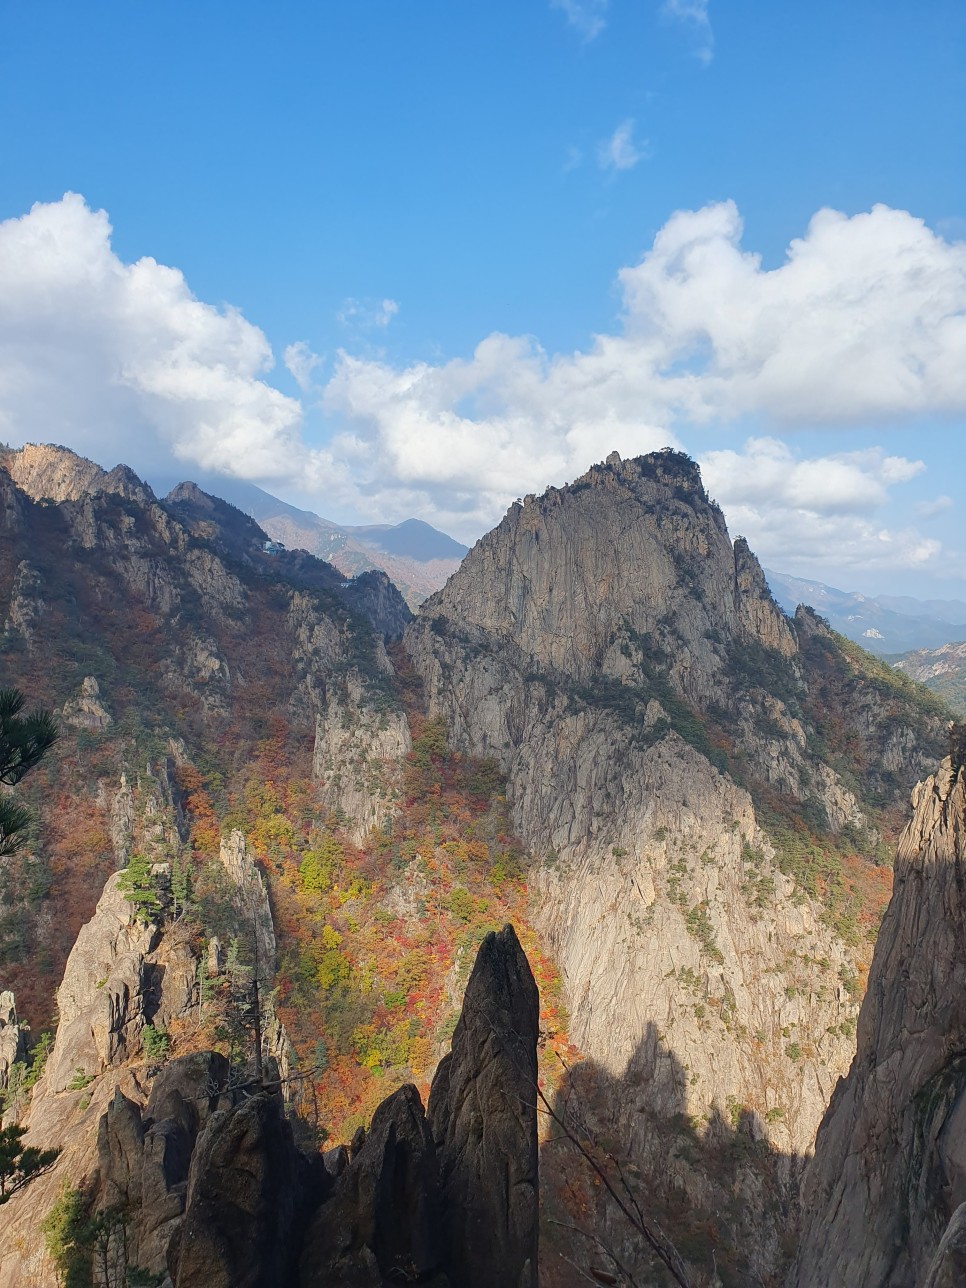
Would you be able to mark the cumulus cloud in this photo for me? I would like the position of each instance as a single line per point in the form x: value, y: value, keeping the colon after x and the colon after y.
x: 587, y: 17
x: 467, y: 436
x: 694, y: 14
x: 120, y: 359
x: 620, y: 151
x: 301, y: 362
x: 805, y: 513
x: 864, y: 321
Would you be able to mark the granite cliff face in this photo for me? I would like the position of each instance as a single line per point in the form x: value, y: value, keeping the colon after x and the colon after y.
x: 653, y: 710
x: 358, y: 754
x: 889, y: 1173
x: 129, y: 978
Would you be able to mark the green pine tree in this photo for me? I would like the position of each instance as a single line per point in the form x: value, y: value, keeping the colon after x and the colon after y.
x: 24, y: 741
x: 20, y: 1163
x: 139, y: 884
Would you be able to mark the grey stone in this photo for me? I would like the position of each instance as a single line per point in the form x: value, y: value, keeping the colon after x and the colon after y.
x: 483, y: 1117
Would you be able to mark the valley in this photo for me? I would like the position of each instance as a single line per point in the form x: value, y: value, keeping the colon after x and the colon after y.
x: 602, y: 729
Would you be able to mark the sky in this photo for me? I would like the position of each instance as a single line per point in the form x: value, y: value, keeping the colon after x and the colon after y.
x: 421, y: 257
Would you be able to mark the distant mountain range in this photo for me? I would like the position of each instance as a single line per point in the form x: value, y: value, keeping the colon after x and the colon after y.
x: 418, y: 557
x: 922, y: 637
x: 884, y: 624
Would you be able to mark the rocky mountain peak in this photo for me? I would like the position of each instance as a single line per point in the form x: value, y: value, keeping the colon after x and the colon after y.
x: 675, y: 765
x: 45, y: 471
x: 578, y: 577
x: 211, y: 518
x: 890, y: 1158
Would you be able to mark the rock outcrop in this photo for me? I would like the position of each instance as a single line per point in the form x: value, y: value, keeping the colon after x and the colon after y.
x: 201, y: 1162
x: 382, y: 1221
x: 11, y: 1037
x: 448, y: 1198
x: 144, y: 1151
x: 86, y: 710
x: 358, y: 749
x: 27, y: 604
x: 108, y: 993
x: 948, y: 1269
x: 483, y: 1117
x: 626, y: 664
x: 44, y: 471
x: 889, y: 1172
x: 248, y: 896
x: 103, y: 1100
x: 246, y: 1196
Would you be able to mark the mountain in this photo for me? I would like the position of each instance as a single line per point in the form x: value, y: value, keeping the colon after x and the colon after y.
x: 164, y: 634
x: 941, y: 669
x: 416, y: 556
x: 920, y: 637
x: 704, y: 786
x: 882, y: 1202
x: 236, y: 737
x: 883, y: 624
x: 602, y: 729
x: 187, y: 1171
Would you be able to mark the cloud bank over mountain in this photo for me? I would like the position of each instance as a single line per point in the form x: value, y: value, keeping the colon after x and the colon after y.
x: 864, y: 323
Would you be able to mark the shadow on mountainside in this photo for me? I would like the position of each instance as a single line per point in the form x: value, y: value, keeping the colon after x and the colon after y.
x: 714, y: 1185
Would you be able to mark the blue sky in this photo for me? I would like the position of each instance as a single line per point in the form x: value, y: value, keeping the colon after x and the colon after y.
x: 453, y: 228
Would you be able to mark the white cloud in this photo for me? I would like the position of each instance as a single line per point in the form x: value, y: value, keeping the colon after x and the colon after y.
x: 122, y: 361
x: 620, y: 151
x: 363, y: 315
x: 301, y: 362
x: 463, y: 438
x: 694, y: 13
x: 865, y: 319
x: 809, y: 513
x: 768, y: 472
x: 587, y: 17
x: 864, y: 323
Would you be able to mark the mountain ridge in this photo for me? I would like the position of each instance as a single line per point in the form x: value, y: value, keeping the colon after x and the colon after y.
x: 883, y: 624
x: 415, y: 555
